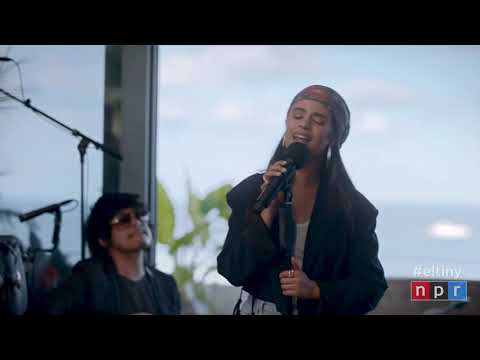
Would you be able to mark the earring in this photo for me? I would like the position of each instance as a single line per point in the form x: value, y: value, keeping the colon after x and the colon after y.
x: 328, y: 161
x: 283, y: 141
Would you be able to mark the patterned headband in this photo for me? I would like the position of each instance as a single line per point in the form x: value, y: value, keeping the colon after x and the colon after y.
x: 334, y: 102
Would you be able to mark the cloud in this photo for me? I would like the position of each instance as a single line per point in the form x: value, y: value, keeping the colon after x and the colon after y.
x: 202, y: 65
x: 4, y: 50
x: 227, y: 111
x: 231, y: 111
x: 214, y: 63
x: 235, y: 110
x: 61, y: 77
x: 377, y: 93
x: 61, y: 69
x: 373, y: 122
x: 448, y: 230
x: 247, y: 112
x: 170, y: 110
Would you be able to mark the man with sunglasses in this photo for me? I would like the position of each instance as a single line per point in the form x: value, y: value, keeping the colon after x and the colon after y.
x: 116, y: 279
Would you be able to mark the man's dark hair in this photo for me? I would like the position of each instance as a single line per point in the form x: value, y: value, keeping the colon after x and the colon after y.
x: 98, y: 223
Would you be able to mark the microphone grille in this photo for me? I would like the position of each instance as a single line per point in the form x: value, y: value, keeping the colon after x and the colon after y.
x: 298, y: 152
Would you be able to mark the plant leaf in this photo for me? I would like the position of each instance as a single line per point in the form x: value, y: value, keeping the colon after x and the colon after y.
x: 183, y: 275
x: 165, y: 216
x: 217, y: 199
x: 196, y: 214
x: 194, y: 206
x: 187, y: 239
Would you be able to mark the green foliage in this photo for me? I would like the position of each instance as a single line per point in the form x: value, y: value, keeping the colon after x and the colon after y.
x: 165, y: 216
x: 216, y: 199
x: 196, y: 240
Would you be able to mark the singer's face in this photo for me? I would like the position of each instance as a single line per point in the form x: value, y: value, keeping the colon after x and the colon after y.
x: 309, y: 122
x: 129, y: 233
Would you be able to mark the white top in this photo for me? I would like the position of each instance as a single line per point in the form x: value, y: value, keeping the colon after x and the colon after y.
x: 300, y: 238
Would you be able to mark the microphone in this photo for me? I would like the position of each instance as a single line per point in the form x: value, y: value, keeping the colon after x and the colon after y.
x: 5, y: 59
x: 295, y: 156
x: 46, y: 209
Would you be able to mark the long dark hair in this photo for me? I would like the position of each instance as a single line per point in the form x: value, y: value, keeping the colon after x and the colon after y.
x: 335, y: 183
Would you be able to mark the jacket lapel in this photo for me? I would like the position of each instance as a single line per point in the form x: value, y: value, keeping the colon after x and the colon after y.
x: 321, y: 240
x: 106, y: 298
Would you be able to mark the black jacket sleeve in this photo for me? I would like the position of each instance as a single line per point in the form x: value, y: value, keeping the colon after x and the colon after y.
x: 70, y: 297
x: 365, y: 283
x: 248, y: 244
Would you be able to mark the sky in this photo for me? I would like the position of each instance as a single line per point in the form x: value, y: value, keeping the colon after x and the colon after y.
x: 414, y: 122
x: 413, y: 147
x: 39, y: 162
x: 221, y: 110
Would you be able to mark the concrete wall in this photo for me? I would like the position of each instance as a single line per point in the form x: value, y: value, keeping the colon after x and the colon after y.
x: 131, y: 124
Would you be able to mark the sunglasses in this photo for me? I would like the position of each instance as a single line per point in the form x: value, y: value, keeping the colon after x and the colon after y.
x: 127, y: 218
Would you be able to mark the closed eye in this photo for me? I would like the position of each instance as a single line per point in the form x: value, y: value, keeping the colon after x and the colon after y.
x: 319, y: 119
x: 298, y: 113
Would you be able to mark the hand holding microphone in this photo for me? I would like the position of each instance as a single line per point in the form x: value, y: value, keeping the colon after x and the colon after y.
x: 277, y: 176
x: 276, y: 169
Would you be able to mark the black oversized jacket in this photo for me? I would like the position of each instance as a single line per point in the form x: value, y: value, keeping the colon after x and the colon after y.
x: 92, y: 288
x: 343, y: 263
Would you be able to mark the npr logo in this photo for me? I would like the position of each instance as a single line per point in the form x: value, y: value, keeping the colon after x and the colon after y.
x: 438, y: 290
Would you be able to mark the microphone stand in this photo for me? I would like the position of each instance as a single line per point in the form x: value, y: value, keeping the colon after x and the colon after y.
x: 287, y: 232
x: 85, y: 141
x: 31, y: 253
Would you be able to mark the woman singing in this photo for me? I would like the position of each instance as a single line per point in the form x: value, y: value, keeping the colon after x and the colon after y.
x: 335, y: 268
